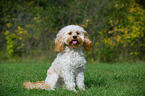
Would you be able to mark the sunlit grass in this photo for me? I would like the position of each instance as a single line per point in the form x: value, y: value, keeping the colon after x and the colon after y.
x: 101, y: 79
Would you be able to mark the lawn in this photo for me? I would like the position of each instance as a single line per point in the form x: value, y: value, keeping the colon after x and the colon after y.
x: 101, y: 79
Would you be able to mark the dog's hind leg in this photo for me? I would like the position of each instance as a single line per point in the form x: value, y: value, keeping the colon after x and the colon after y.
x: 51, y: 79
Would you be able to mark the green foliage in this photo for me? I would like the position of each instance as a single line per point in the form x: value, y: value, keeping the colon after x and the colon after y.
x: 116, y: 27
x: 101, y: 79
x: 124, y: 34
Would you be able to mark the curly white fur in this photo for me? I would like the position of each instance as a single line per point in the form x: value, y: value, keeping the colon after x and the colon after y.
x: 69, y: 65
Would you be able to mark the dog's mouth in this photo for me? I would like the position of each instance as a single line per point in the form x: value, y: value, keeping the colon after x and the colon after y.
x: 74, y: 42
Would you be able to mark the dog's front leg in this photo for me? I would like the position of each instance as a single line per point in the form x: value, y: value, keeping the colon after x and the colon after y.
x: 80, y: 80
x: 69, y: 80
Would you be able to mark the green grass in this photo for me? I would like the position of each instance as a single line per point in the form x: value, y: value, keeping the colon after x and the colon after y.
x: 101, y: 79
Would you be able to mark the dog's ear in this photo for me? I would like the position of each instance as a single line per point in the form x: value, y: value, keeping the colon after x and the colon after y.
x: 59, y: 44
x: 87, y: 42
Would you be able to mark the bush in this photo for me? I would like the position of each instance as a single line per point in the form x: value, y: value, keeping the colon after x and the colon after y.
x: 116, y: 27
x: 123, y: 37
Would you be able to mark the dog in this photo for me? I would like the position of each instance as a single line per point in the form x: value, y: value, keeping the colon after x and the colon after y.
x: 69, y: 65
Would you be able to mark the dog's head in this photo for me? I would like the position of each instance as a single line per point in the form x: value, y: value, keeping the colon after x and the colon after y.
x: 72, y: 36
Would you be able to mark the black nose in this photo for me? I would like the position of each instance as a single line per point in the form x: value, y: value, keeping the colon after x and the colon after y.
x: 75, y: 37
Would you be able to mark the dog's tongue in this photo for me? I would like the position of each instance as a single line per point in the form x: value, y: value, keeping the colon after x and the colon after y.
x: 74, y: 42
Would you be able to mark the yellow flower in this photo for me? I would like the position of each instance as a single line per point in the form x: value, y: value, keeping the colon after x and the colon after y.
x: 9, y: 25
x: 20, y: 38
x: 115, y: 29
x: 110, y: 21
x: 35, y: 18
x: 110, y: 32
x: 25, y: 32
x: 19, y: 28
x: 136, y: 53
x: 21, y: 32
x: 13, y: 35
x: 83, y: 25
x: 88, y: 20
x: 96, y: 43
x: 116, y: 5
x: 118, y: 38
x: 131, y: 53
x: 7, y: 32
x: 142, y: 34
x: 124, y: 45
x: 126, y: 31
x: 131, y: 10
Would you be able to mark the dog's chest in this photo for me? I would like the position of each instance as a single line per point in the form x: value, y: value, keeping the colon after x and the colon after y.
x: 75, y: 59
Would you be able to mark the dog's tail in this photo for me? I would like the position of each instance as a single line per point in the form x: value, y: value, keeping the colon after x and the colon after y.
x: 35, y: 85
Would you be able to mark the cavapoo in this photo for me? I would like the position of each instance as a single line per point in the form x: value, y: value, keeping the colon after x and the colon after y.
x: 69, y: 65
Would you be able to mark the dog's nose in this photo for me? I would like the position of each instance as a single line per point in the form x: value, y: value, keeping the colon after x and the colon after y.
x: 75, y: 37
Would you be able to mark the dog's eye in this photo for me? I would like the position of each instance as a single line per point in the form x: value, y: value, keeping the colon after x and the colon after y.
x: 78, y: 33
x: 70, y: 33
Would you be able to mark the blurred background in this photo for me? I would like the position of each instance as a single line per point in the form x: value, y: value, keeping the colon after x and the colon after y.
x: 116, y: 27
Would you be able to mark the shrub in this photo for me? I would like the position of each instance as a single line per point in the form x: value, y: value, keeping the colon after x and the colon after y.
x: 116, y: 27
